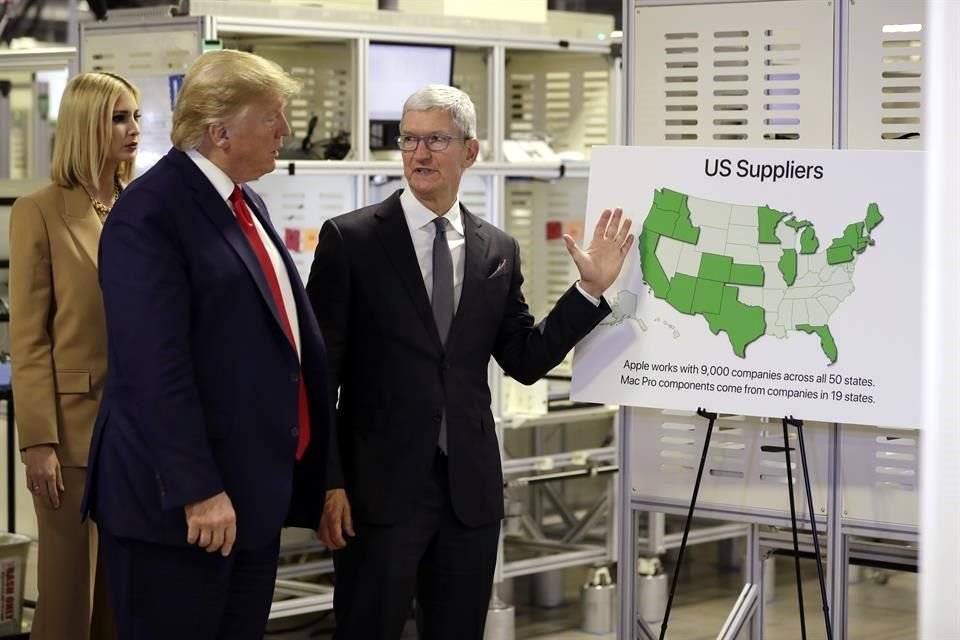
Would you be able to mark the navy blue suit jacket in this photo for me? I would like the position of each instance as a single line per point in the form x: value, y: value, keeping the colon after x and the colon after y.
x: 202, y: 383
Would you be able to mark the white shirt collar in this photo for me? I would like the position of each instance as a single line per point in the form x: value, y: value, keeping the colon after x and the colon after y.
x: 220, y: 181
x: 418, y: 215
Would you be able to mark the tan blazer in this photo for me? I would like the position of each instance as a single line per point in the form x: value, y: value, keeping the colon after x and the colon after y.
x: 58, y: 338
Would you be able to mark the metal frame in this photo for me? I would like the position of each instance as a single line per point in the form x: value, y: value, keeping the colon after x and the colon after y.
x: 45, y: 59
x: 564, y: 548
x: 941, y: 444
x: 842, y: 537
x: 242, y: 17
x: 26, y: 61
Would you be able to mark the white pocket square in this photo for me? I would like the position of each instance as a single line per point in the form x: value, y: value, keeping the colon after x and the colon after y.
x: 500, y: 270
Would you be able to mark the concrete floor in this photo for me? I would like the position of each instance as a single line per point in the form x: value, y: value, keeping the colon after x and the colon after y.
x: 882, y: 607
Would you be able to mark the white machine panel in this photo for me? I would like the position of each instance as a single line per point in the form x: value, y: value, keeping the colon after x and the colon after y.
x: 325, y: 68
x: 880, y: 474
x: 734, y: 74
x: 885, y: 71
x: 134, y: 53
x: 300, y: 204
x: 470, y: 75
x: 153, y: 57
x: 745, y: 472
x: 562, y: 98
x: 538, y: 214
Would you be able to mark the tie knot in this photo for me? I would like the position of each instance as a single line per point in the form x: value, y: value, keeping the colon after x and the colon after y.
x: 441, y: 223
x: 237, y: 195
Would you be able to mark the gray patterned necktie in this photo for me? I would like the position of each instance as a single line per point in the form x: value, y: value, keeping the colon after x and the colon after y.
x: 442, y: 298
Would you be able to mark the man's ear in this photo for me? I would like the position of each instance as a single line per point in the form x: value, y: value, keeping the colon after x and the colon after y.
x: 473, y: 150
x: 218, y: 134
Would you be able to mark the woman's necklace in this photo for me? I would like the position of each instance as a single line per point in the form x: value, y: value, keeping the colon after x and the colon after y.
x: 102, y: 209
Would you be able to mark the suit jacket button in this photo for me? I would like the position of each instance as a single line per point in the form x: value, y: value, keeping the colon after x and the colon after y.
x: 294, y: 378
x: 437, y: 419
x: 294, y: 432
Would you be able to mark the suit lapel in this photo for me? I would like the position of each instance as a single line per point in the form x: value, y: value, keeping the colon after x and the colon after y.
x: 219, y: 213
x: 398, y: 245
x: 82, y: 221
x: 477, y: 245
x: 254, y: 202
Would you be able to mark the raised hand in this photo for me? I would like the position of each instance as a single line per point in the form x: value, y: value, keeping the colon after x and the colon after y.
x: 600, y: 263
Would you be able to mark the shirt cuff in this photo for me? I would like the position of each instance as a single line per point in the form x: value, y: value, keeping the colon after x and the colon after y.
x: 595, y: 301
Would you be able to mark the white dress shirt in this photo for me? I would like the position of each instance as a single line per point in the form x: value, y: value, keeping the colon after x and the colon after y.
x: 422, y: 232
x: 224, y: 186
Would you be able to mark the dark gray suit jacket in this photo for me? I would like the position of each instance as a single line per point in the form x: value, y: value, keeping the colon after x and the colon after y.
x: 394, y: 375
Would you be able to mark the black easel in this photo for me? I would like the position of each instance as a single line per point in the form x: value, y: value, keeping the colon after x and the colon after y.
x: 793, y: 528
x: 791, y: 421
x: 787, y: 421
x: 712, y: 418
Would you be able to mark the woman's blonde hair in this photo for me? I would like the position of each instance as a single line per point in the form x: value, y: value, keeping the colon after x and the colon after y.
x: 85, y: 130
x: 219, y: 85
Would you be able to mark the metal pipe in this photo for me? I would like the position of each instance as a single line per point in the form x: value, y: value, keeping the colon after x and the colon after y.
x: 587, y: 521
x: 562, y: 475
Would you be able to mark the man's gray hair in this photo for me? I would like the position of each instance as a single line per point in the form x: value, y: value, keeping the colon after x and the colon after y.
x: 440, y: 97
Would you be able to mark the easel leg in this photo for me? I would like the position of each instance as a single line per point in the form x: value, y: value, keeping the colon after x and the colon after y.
x: 793, y: 523
x: 712, y: 418
x: 813, y: 525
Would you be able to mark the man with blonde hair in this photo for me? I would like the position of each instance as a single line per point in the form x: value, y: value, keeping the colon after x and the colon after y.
x: 212, y: 433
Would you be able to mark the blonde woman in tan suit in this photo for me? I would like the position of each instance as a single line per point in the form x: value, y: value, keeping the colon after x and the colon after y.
x: 59, y: 346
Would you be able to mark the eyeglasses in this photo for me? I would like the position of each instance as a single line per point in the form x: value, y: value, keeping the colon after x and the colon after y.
x: 434, y: 142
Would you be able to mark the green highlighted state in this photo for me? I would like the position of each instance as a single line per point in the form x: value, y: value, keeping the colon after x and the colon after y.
x: 708, y: 296
x: 685, y: 231
x: 680, y: 296
x: 796, y: 225
x: 669, y: 200
x: 874, y: 217
x: 743, y: 324
x: 670, y: 217
x: 767, y: 221
x: 839, y: 255
x: 653, y: 273
x: 826, y: 339
x: 750, y: 275
x: 788, y: 266
x: 714, y: 267
x: 809, y: 242
x: 661, y: 221
x: 854, y: 237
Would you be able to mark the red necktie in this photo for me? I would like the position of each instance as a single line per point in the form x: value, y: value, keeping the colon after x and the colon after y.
x: 246, y: 224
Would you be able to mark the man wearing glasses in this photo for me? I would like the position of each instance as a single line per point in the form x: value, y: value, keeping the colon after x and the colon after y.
x: 413, y: 296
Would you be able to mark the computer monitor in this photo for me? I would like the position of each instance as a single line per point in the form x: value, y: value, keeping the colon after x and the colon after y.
x: 396, y: 71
